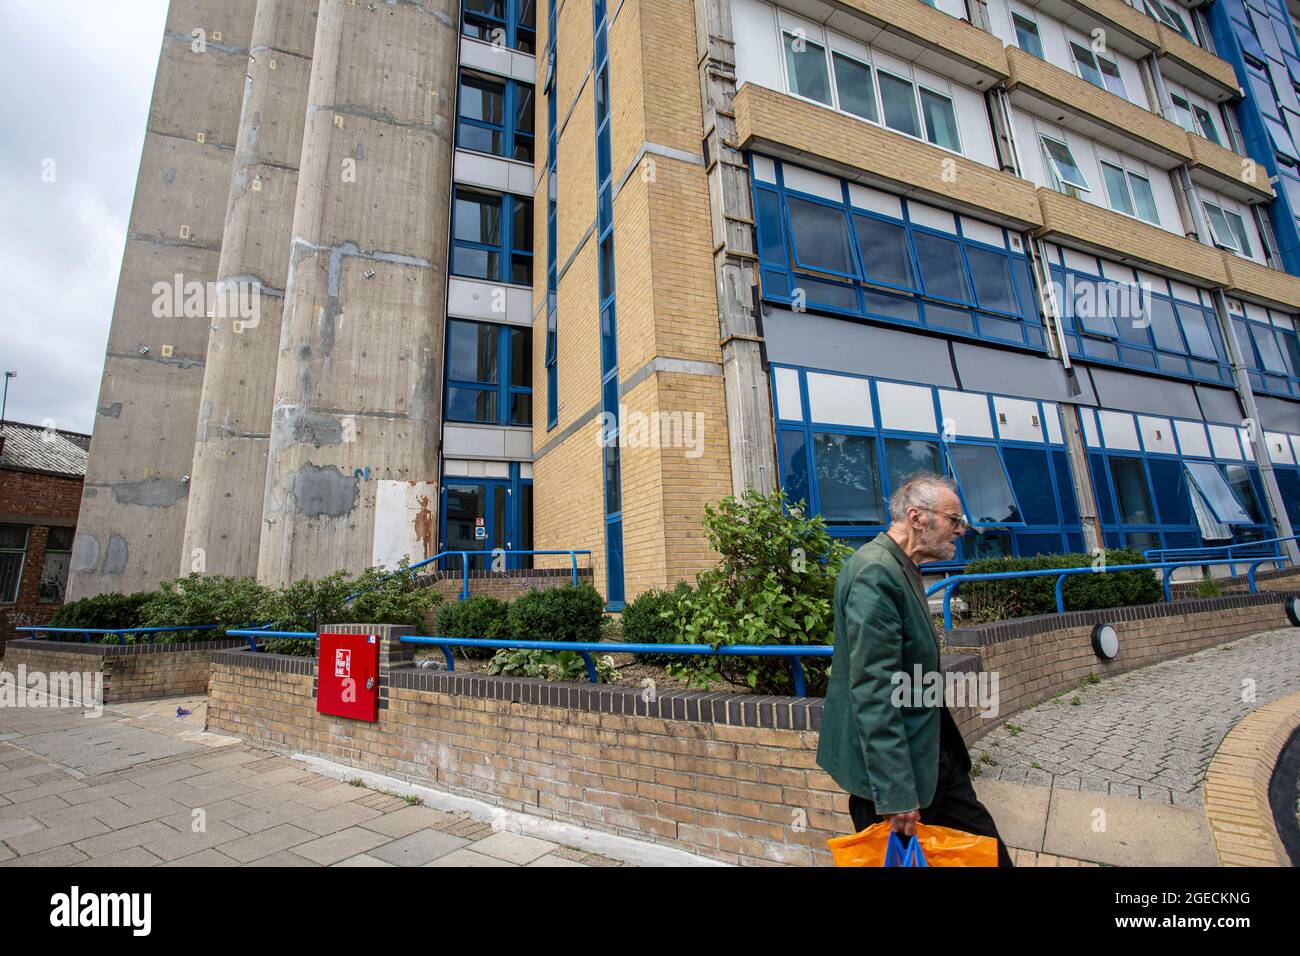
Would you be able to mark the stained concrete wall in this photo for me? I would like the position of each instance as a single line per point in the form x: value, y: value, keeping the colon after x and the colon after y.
x: 228, y: 477
x: 359, y: 380
x: 133, y: 510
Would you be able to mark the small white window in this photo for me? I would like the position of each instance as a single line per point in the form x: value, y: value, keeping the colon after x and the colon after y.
x: 1063, y: 166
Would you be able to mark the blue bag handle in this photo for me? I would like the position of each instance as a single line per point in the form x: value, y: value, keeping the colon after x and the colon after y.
x: 896, y: 854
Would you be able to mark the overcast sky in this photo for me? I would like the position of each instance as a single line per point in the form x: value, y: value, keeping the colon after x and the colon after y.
x: 79, y: 78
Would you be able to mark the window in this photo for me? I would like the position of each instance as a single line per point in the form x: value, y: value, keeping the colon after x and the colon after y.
x: 898, y: 99
x: 1205, y: 124
x: 855, y: 88
x: 1169, y: 17
x: 58, y: 559
x: 1117, y: 188
x: 991, y: 272
x: 1143, y: 198
x: 805, y: 68
x: 821, y: 237
x: 1224, y: 235
x: 848, y: 479
x: 940, y: 120
x: 492, y: 237
x: 1239, y: 232
x: 1132, y: 491
x: 886, y: 255
x: 1087, y: 65
x: 1129, y: 193
x: 904, y: 457
x: 1183, y: 112
x: 1111, y: 77
x: 13, y: 552
x: 1065, y: 171
x: 1214, y: 489
x: 942, y: 270
x: 509, y: 22
x: 477, y: 391
x: 1027, y: 37
x: 495, y: 116
x: 985, y: 489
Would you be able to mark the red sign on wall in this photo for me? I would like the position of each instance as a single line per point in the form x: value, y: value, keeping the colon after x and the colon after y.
x: 347, y: 676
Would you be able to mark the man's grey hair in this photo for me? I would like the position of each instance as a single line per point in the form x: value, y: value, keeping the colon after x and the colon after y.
x: 919, y: 490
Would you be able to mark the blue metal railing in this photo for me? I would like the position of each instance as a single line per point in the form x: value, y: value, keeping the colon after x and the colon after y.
x: 466, y: 555
x: 1224, y: 554
x: 122, y: 632
x: 949, y: 585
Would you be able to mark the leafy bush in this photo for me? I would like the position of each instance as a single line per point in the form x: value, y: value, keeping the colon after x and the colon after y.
x: 229, y: 602
x: 384, y: 597
x: 651, y: 618
x: 1208, y: 588
x: 550, y: 665
x: 557, y: 614
x: 476, y: 616
x: 1026, y: 597
x: 102, y: 611
x: 774, y: 584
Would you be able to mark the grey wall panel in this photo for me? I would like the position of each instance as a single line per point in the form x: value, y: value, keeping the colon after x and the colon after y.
x: 1016, y: 373
x: 801, y: 338
x: 1145, y: 394
x: 1278, y: 414
x: 1219, y: 404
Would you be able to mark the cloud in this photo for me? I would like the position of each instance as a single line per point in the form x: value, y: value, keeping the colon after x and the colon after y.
x: 80, y: 77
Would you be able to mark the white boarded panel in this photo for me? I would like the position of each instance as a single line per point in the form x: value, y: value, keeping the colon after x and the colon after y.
x: 452, y: 468
x: 1224, y: 442
x: 806, y: 181
x: 934, y: 218
x: 1052, y: 420
x: 982, y: 232
x: 1247, y: 445
x: 1192, y: 439
x: 1119, y: 430
x: 788, y: 404
x: 1080, y: 261
x: 1017, y: 419
x: 908, y: 408
x: 1089, y: 428
x: 764, y: 170
x: 1157, y: 435
x: 1279, y: 448
x: 406, y: 522
x: 526, y: 470
x: 875, y: 201
x: 839, y: 400
x: 965, y: 413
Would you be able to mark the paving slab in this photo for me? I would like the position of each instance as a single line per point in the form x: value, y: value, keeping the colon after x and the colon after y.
x: 465, y: 856
x: 418, y: 848
x: 400, y: 823
x: 1019, y: 810
x: 340, y: 846
x: 269, y: 841
x: 1127, y: 832
x: 514, y: 847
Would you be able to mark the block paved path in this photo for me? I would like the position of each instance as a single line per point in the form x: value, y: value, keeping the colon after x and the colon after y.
x: 139, y: 786
x: 1148, y: 734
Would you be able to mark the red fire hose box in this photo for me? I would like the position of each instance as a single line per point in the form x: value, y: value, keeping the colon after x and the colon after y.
x: 347, y: 682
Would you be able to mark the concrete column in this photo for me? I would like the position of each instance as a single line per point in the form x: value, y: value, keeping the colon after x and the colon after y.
x: 359, y: 379
x: 228, y: 477
x: 137, y: 480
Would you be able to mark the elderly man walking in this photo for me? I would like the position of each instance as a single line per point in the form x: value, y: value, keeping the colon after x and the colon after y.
x: 902, y: 764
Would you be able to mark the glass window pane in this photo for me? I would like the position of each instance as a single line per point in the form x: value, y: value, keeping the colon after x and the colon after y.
x: 904, y: 457
x: 1111, y: 77
x: 1183, y: 112
x: 59, y: 539
x: 472, y: 404
x: 1197, y: 330
x: 482, y: 99
x: 1269, y: 353
x: 805, y: 64
x: 521, y: 408
x: 1062, y: 161
x: 1132, y: 491
x: 1238, y: 478
x: 1210, y: 482
x: 1117, y: 189
x: 1101, y: 482
x: 940, y: 121
x: 1144, y: 200
x: 991, y: 272
x: 1083, y: 58
x: 477, y: 218
x: 856, y: 90
x: 942, y: 269
x: 1065, y: 488
x: 521, y: 358
x: 1027, y: 37
x: 1032, y: 480
x: 476, y: 263
x: 794, y: 468
x: 523, y: 108
x: 983, y: 483
x: 1219, y: 228
x: 1164, y: 325
x: 771, y: 234
x: 848, y: 480
x: 472, y: 352
x: 899, y: 101
x: 1090, y: 304
x: 886, y: 256
x: 521, y: 230
x: 1170, y: 482
x: 1239, y: 232
x: 821, y: 236
x: 1205, y: 123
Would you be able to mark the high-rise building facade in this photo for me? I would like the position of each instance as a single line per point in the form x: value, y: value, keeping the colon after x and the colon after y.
x: 557, y: 275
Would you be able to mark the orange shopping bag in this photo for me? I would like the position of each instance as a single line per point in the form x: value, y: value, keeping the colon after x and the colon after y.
x: 942, y: 846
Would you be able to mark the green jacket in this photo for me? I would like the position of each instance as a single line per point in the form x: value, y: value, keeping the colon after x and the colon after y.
x: 870, y: 747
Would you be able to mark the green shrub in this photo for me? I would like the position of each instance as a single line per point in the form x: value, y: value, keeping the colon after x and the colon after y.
x: 1026, y: 597
x: 385, y: 597
x: 550, y: 665
x: 557, y: 614
x: 102, y: 611
x: 652, y: 619
x: 774, y: 584
x: 476, y: 616
x: 1208, y: 588
x: 228, y: 602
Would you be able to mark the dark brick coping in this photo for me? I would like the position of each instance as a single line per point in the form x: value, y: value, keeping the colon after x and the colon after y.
x: 284, y: 663
x: 996, y: 632
x: 121, y: 650
x: 1239, y: 580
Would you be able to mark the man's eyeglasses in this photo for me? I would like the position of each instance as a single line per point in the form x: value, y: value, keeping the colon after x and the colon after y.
x: 958, y: 521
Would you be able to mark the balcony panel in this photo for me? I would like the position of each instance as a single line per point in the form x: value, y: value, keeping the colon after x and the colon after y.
x: 819, y: 138
x: 913, y: 31
x: 1127, y: 31
x: 1064, y: 99
x: 1195, y: 68
x: 1253, y: 281
x: 1074, y: 222
x: 1227, y: 172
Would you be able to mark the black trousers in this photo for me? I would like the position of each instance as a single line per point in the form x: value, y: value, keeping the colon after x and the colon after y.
x: 955, y: 804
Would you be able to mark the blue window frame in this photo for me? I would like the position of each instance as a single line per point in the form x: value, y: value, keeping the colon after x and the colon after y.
x: 831, y: 256
x: 846, y: 474
x: 492, y: 236
x: 495, y: 115
x: 1115, y: 320
x: 489, y: 373
x: 1272, y: 354
x: 551, y: 358
x: 511, y: 23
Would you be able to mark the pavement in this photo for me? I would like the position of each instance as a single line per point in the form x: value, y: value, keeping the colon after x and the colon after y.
x: 140, y: 786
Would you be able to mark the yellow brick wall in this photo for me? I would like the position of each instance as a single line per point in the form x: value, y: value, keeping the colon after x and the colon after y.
x: 644, y: 517
x: 568, y: 496
x: 573, y: 56
x: 576, y: 191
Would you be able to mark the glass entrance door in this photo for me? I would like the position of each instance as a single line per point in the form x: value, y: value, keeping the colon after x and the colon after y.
x: 476, y: 517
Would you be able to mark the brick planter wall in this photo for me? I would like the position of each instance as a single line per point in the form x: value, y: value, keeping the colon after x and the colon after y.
x: 133, y: 672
